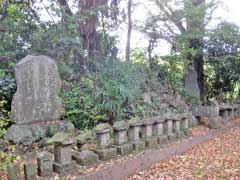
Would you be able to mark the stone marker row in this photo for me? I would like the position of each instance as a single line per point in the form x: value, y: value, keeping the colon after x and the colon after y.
x: 134, y: 135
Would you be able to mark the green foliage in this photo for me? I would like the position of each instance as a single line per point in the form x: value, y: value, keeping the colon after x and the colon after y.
x: 112, y: 93
x: 6, y: 158
x: 7, y: 88
x: 222, y: 67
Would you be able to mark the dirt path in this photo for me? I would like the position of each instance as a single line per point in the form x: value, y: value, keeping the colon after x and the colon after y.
x: 145, y: 161
x: 217, y: 159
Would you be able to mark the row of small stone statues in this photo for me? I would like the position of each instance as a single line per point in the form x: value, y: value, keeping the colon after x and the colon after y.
x: 133, y: 135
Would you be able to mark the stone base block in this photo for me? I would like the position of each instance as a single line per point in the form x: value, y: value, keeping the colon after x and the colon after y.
x: 27, y: 134
x: 172, y: 137
x: 85, y: 158
x: 64, y: 168
x: 138, y: 146
x: 106, y: 154
x: 180, y: 134
x: 162, y: 139
x: 188, y: 132
x: 151, y: 143
x: 124, y: 149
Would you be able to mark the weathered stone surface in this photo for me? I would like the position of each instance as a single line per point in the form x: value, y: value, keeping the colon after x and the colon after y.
x: 103, y: 140
x: 106, y: 154
x: 138, y: 146
x: 13, y: 171
x: 45, y: 164
x: 147, y: 131
x: 120, y: 137
x: 62, y: 139
x: 18, y: 134
x: 124, y: 149
x: 29, y: 133
x: 163, y: 139
x: 85, y: 141
x: 134, y: 133
x: 38, y: 86
x: 64, y: 168
x: 205, y: 111
x: 191, y: 83
x: 120, y: 125
x: 215, y: 122
x: 172, y: 137
x: 85, y: 158
x: 136, y: 121
x: 158, y: 129
x: 30, y: 171
x: 180, y: 134
x: 62, y: 154
x: 151, y: 143
x: 169, y: 127
x: 84, y: 138
x: 176, y: 126
x: 158, y: 119
x: 148, y: 121
x: 102, y: 128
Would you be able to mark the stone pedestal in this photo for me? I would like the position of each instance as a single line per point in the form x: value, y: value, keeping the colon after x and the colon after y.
x: 147, y: 133
x: 62, y: 153
x: 86, y: 158
x: 158, y: 130
x: 121, y: 139
x: 13, y: 171
x: 30, y: 171
x: 163, y: 139
x: 134, y: 134
x: 177, y: 129
x: 138, y: 146
x: 45, y: 164
x: 104, y: 149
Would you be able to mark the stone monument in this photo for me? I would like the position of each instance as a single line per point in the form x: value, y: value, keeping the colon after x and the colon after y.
x: 191, y: 82
x: 36, y: 101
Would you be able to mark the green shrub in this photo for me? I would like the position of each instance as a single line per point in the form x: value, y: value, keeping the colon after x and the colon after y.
x: 7, y: 89
x: 112, y: 93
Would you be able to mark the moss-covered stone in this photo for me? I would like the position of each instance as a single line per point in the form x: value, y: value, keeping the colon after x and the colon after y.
x: 136, y: 121
x: 102, y: 128
x: 85, y: 158
x: 62, y: 139
x: 84, y: 138
x: 120, y: 125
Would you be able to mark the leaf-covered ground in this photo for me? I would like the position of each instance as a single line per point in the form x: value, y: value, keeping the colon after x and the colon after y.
x: 217, y: 159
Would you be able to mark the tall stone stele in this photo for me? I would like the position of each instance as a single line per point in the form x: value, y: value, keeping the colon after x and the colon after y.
x: 36, y: 99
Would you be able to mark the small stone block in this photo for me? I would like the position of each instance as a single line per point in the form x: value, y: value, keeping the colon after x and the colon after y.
x: 188, y: 132
x: 13, y: 171
x: 180, y: 134
x: 64, y: 168
x: 62, y: 154
x: 45, y: 166
x: 172, y: 137
x: 124, y: 149
x: 152, y: 143
x: 106, y: 154
x: 162, y: 139
x: 138, y: 146
x: 30, y: 171
x: 85, y: 158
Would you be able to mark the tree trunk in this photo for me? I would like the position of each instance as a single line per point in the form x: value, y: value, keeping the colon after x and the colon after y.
x: 128, y: 45
x: 195, y: 26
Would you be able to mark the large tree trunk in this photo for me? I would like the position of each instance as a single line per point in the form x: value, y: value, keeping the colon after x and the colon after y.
x: 196, y: 29
x: 128, y: 45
